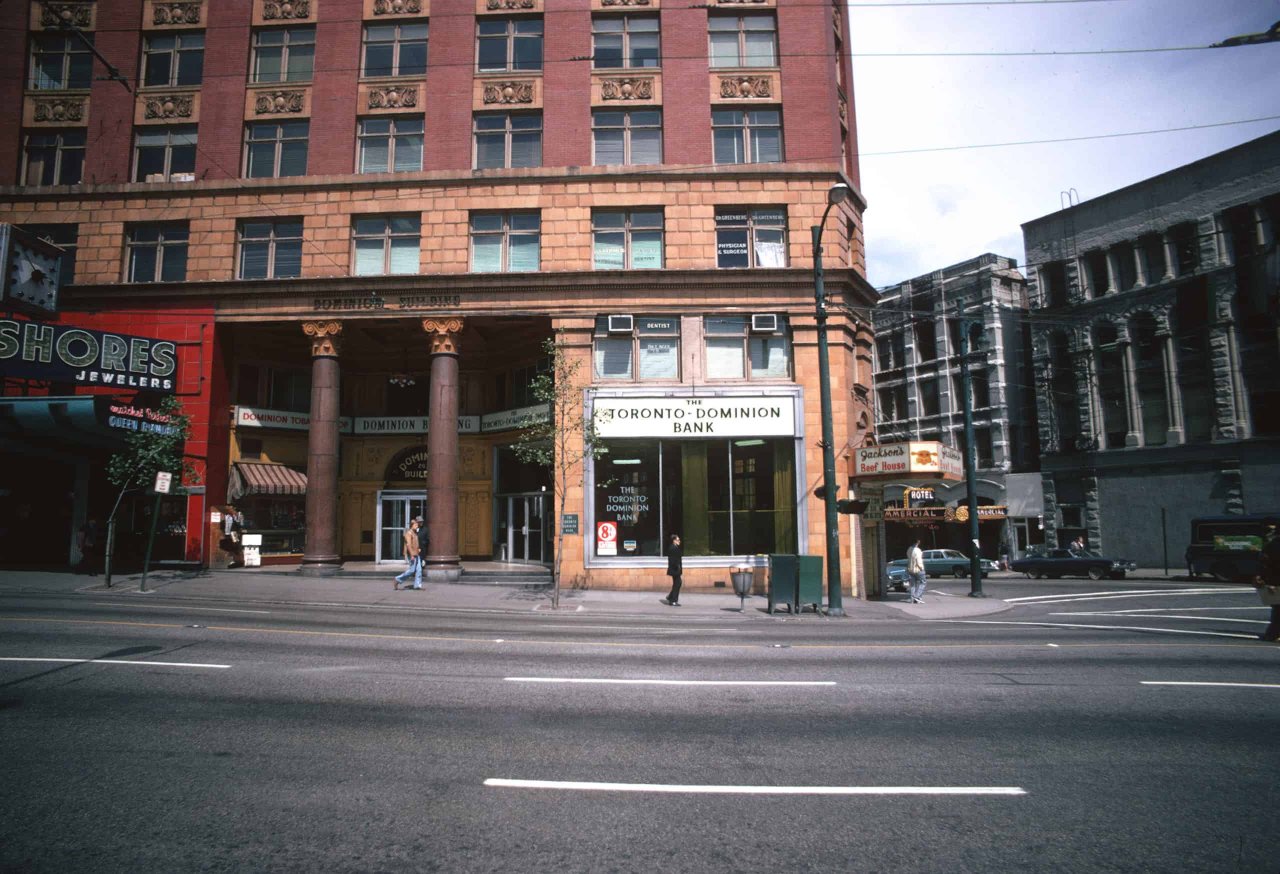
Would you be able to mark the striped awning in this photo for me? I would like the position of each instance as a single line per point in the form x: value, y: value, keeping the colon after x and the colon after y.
x: 263, y: 478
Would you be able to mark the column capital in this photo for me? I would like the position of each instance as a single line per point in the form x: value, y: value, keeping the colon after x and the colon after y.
x: 445, y: 334
x: 324, y: 337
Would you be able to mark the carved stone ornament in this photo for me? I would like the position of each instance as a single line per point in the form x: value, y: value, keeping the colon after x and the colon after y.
x: 396, y: 7
x: 844, y: 110
x: 625, y: 2
x: 444, y: 335
x: 176, y: 13
x: 324, y: 337
x: 278, y: 102
x: 510, y: 4
x: 275, y: 11
x: 508, y: 92
x: 626, y: 89
x: 76, y: 14
x: 169, y: 106
x: 394, y: 97
x: 59, y: 109
x: 751, y: 87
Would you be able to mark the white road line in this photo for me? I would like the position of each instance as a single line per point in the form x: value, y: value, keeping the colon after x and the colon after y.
x: 616, y: 682
x: 170, y: 607
x: 1173, y: 616
x: 116, y: 662
x: 697, y: 789
x: 1231, y: 685
x: 1062, y: 598
x: 1101, y: 627
x: 1159, y: 609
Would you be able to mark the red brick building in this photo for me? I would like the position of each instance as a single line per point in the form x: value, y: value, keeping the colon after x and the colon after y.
x: 358, y: 220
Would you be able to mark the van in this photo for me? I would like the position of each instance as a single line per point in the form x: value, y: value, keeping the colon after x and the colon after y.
x: 1228, y: 548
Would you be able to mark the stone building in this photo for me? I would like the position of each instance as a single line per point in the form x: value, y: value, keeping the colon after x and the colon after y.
x: 1156, y: 354
x: 356, y: 222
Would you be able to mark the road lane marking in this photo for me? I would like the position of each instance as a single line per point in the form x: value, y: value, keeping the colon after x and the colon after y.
x: 623, y: 682
x: 115, y: 662
x: 1100, y: 627
x: 1171, y: 616
x: 1230, y: 685
x: 169, y: 607
x: 1159, y: 609
x: 1062, y: 598
x: 701, y: 789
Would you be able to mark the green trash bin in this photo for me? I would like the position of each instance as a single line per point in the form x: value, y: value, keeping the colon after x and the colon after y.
x: 784, y: 582
x: 810, y: 582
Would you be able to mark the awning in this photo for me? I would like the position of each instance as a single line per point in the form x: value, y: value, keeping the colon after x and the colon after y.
x: 263, y: 478
x: 98, y: 421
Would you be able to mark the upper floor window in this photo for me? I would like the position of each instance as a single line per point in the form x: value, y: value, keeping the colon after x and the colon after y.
x: 508, y: 139
x: 157, y: 253
x: 270, y: 249
x: 165, y: 153
x: 1186, y: 248
x: 751, y: 237
x: 649, y: 350
x: 629, y: 137
x: 509, y: 44
x: 626, y: 41
x: 276, y: 388
x: 506, y: 242
x: 173, y: 59
x: 276, y: 149
x: 735, y: 350
x: 387, y: 244
x: 395, y: 49
x: 747, y: 137
x: 60, y: 61
x: 390, y: 145
x: 53, y: 157
x: 64, y: 236
x: 743, y: 40
x: 627, y: 239
x: 284, y: 54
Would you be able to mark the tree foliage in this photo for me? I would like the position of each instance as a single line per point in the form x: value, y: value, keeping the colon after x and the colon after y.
x: 157, y: 446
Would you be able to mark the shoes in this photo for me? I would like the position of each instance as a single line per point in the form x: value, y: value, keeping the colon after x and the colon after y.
x: 416, y: 588
x: 395, y: 584
x: 667, y: 601
x: 674, y: 603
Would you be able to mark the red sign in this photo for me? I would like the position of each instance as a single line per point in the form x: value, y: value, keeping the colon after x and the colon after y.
x: 606, y: 538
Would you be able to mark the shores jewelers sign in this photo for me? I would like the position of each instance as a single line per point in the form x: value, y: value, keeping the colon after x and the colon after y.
x: 63, y: 353
x: 924, y: 459
x: 695, y: 417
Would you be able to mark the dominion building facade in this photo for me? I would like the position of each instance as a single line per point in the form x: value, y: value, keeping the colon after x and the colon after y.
x: 353, y: 224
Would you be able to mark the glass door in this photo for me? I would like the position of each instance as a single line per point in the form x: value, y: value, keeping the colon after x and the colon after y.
x: 395, y: 509
x: 521, y: 528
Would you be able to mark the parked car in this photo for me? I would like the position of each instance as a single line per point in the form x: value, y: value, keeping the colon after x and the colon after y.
x: 895, y: 576
x: 1065, y: 563
x: 944, y: 563
x: 1228, y: 548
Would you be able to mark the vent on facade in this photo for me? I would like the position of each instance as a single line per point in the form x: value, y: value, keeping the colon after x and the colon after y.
x: 764, y: 323
x: 183, y: 177
x: 621, y: 324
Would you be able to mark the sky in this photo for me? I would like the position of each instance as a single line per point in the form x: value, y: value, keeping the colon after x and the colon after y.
x: 928, y: 210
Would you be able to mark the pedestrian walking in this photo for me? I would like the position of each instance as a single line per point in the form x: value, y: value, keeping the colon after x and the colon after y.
x: 87, y: 543
x: 675, y: 568
x: 915, y: 573
x: 412, y: 554
x: 1269, y: 580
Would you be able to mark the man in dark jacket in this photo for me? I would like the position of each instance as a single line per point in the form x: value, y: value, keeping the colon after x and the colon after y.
x: 675, y: 568
x: 1269, y: 581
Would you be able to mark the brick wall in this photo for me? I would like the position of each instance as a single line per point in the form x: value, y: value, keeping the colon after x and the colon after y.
x: 226, y: 70
x: 109, y: 146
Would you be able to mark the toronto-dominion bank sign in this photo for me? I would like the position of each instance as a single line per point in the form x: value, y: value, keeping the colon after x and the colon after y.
x: 694, y: 417
x: 62, y: 353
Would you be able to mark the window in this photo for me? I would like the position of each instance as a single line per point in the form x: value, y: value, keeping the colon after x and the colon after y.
x: 629, y: 41
x: 1096, y: 273
x: 506, y: 242
x: 284, y: 54
x: 65, y: 236
x: 387, y: 244
x: 509, y: 44
x: 655, y: 345
x: 751, y: 237
x: 627, y: 138
x: 747, y: 137
x: 173, y: 59
x: 395, y: 49
x: 926, y: 332
x: 165, y: 153
x: 508, y: 140
x: 734, y: 352
x: 53, y: 157
x: 60, y: 61
x: 157, y: 253
x: 270, y: 249
x: 275, y: 388
x: 276, y: 149
x: 743, y: 40
x: 390, y: 145
x: 1186, y: 246
x: 928, y: 389
x: 1126, y: 271
x: 627, y: 240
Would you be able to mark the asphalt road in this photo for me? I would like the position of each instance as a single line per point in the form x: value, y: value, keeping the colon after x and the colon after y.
x: 244, y: 737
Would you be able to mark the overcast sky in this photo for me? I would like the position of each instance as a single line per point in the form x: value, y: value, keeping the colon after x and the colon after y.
x: 932, y: 209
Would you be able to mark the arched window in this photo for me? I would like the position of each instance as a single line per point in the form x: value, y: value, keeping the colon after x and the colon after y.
x: 1148, y: 354
x: 1109, y: 364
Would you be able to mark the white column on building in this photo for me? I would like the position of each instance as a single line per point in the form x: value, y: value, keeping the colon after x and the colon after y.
x: 1266, y: 234
x: 1224, y: 240
x: 1139, y: 264
x: 1113, y: 270
x: 1132, y: 401
x: 1176, y: 433
x: 1170, y: 257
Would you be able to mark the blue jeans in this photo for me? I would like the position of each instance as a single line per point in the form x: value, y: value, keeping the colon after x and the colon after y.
x: 916, y: 586
x: 415, y: 568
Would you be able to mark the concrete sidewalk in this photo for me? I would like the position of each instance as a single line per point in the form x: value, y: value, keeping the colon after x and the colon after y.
x: 367, y: 591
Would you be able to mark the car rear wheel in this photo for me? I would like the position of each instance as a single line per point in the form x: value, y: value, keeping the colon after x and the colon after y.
x: 1096, y: 573
x: 1040, y: 575
x: 959, y: 571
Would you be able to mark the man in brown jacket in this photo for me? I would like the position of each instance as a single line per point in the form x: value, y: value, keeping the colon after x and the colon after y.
x: 412, y: 554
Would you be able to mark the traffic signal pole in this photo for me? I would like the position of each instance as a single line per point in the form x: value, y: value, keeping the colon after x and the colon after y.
x: 970, y: 461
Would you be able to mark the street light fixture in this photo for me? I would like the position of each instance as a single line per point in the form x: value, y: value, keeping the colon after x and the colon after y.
x: 835, y: 604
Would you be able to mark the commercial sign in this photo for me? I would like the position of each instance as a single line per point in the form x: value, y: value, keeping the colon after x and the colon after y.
x: 921, y: 458
x: 606, y: 538
x: 943, y: 514
x: 63, y: 353
x: 695, y: 417
x: 407, y: 424
x: 121, y: 416
x: 520, y: 417
x: 408, y: 464
x: 258, y: 417
x: 569, y: 523
x: 255, y: 417
x: 369, y: 303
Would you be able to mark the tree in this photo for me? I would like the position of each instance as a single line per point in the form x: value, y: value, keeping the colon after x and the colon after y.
x: 564, y: 441
x: 156, y: 446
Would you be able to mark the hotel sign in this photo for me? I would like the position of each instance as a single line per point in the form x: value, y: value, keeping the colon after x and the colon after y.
x: 64, y: 353
x: 918, y: 458
x: 959, y: 514
x: 695, y: 417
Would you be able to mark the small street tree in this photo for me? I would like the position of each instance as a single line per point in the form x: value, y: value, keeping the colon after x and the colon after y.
x: 562, y: 443
x: 156, y: 446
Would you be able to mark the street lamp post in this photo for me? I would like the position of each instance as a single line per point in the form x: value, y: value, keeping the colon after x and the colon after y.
x: 835, y: 603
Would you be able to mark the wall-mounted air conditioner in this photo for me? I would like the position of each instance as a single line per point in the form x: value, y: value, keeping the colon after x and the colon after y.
x: 621, y: 324
x: 155, y: 177
x: 764, y: 323
x: 182, y: 177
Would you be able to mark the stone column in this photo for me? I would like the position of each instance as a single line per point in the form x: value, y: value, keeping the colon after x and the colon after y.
x: 1177, y: 433
x: 1113, y: 271
x: 1139, y: 264
x: 321, y: 555
x: 1133, y: 402
x: 1170, y: 257
x: 442, y: 562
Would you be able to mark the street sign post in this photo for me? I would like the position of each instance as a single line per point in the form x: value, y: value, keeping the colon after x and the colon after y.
x: 164, y: 481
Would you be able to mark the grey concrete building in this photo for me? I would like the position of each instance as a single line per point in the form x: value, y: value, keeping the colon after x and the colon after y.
x: 918, y: 395
x: 1156, y: 355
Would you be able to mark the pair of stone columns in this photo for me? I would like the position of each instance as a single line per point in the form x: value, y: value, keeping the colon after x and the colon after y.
x: 322, y: 555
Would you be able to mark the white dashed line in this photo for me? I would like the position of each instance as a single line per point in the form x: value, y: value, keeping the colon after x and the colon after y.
x: 1101, y: 627
x: 170, y: 607
x: 115, y: 662
x: 617, y: 682
x: 1228, y: 685
x: 696, y: 789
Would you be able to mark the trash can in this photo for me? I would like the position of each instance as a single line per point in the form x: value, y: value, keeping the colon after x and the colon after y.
x: 810, y: 582
x: 742, y: 578
x: 783, y: 582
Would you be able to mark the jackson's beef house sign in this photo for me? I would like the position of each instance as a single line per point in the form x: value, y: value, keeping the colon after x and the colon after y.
x: 63, y: 353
